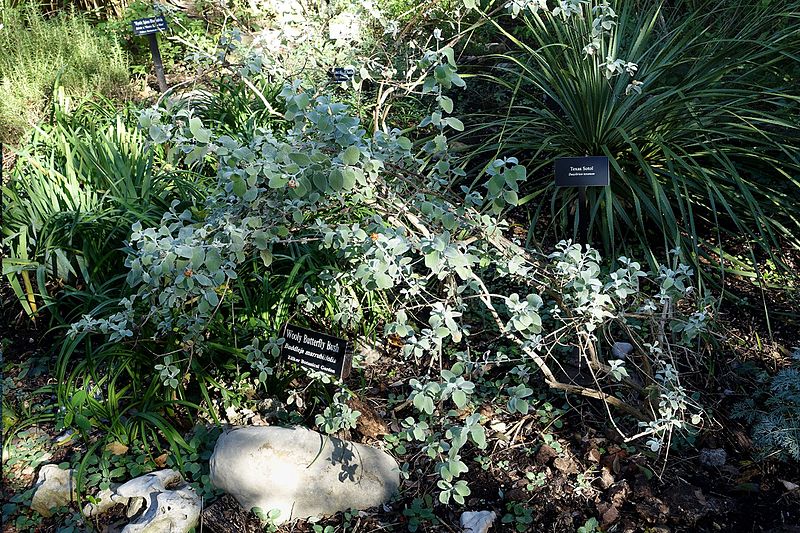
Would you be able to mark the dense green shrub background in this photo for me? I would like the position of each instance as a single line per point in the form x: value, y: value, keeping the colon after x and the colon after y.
x: 239, y: 202
x: 38, y: 53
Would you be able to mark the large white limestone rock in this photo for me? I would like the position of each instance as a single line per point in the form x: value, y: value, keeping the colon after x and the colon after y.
x: 169, y: 503
x: 300, y: 472
x: 54, y: 488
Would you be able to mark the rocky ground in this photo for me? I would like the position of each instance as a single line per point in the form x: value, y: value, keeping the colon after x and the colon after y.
x: 584, y: 476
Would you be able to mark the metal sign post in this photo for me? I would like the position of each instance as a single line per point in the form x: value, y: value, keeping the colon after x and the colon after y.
x: 152, y: 27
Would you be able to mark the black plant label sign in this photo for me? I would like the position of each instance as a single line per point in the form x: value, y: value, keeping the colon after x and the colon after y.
x: 149, y: 25
x: 316, y: 351
x: 342, y: 73
x: 582, y: 171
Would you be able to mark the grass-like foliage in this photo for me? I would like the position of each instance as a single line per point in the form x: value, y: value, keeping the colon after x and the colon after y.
x: 36, y: 51
x: 697, y: 114
x: 72, y: 196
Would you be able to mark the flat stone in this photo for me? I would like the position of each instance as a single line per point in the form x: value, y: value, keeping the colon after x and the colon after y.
x: 54, y: 488
x: 545, y: 454
x: 369, y: 422
x: 225, y: 515
x: 300, y: 472
x: 477, y: 522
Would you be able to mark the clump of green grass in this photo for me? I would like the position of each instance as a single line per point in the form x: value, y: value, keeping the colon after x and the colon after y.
x: 35, y: 51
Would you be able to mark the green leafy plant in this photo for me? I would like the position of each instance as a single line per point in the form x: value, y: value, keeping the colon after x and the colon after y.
x: 518, y: 516
x: 338, y: 415
x: 536, y: 480
x: 320, y: 216
x: 17, y: 511
x: 420, y: 512
x: 267, y: 518
x: 590, y: 526
x: 518, y: 399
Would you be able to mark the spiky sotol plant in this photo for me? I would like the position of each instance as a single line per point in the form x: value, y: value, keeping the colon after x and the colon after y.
x: 697, y: 113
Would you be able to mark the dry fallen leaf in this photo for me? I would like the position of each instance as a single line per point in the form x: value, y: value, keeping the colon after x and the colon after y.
x: 594, y: 455
x: 161, y: 460
x: 370, y: 423
x: 117, y: 448
x: 499, y: 427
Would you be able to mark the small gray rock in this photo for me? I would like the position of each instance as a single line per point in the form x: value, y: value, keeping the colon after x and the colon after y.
x: 54, y: 488
x: 620, y: 350
x: 713, y: 457
x: 169, y: 503
x: 477, y: 522
x: 300, y: 472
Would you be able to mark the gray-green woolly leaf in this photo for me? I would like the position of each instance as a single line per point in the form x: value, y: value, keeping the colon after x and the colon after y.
x: 203, y: 280
x: 460, y: 398
x: 250, y: 195
x: 276, y: 181
x: 449, y: 221
x: 260, y: 239
x: 302, y: 100
x: 301, y: 159
x: 454, y: 123
x: 213, y: 260
x: 383, y: 281
x: 348, y: 178
x: 336, y: 179
x: 447, y: 104
x: 239, y: 186
x: 456, y: 80
x: 432, y: 260
x: 199, y: 133
x: 511, y: 197
x: 211, y: 297
x: 351, y: 155
x: 157, y: 134
x: 450, y: 55
x: 198, y: 257
x: 478, y: 434
x: 320, y: 181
